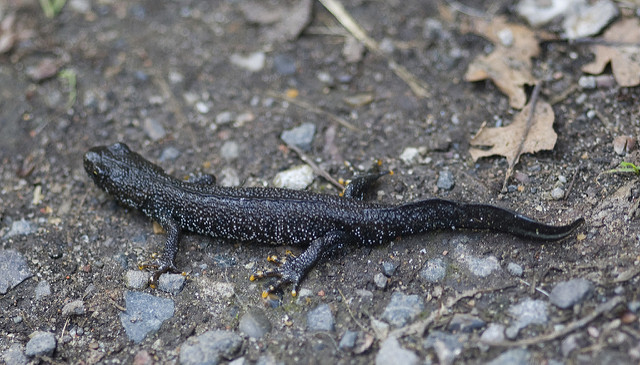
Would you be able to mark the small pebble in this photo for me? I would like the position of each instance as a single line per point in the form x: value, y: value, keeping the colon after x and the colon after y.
x: 145, y: 314
x: 169, y: 154
x: 253, y: 62
x: 391, y: 353
x: 136, y: 279
x: 41, y: 344
x: 14, y: 355
x: 255, y: 323
x: 320, y: 319
x: 21, y: 227
x: 380, y: 280
x: 13, y: 270
x: 567, y: 293
x: 512, y: 357
x: 230, y: 150
x: 389, y: 268
x: 301, y: 136
x: 410, y: 156
x: 229, y: 177
x: 348, y: 340
x: 462, y: 322
x: 587, y: 82
x: 514, y: 269
x: 285, y: 65
x: 171, y: 283
x: 297, y: 178
x: 557, y: 193
x: 211, y: 347
x: 493, y: 333
x: 224, y: 117
x: 325, y: 77
x: 525, y: 313
x: 202, y: 107
x: 446, y: 180
x: 42, y: 290
x: 434, y: 270
x: 154, y: 130
x: 446, y: 346
x: 74, y: 308
x: 402, y: 309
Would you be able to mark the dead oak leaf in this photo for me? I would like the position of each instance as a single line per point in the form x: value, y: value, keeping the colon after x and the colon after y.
x: 624, y: 56
x: 505, y: 141
x: 509, y: 65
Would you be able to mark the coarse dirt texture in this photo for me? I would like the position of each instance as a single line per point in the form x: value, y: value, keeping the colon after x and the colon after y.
x: 140, y: 64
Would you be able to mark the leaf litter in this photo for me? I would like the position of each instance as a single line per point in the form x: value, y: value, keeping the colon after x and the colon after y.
x: 509, y: 65
x: 622, y: 50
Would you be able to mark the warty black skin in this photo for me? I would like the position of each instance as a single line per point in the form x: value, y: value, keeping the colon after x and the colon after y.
x: 321, y: 222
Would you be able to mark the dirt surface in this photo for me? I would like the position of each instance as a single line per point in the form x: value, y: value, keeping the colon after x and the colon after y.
x: 159, y: 74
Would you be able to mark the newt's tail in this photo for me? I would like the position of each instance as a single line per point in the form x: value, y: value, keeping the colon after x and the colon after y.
x: 433, y: 214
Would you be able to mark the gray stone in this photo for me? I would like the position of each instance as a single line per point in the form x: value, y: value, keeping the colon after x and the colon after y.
x: 557, y: 193
x: 320, y: 319
x: 493, y: 333
x: 389, y: 268
x: 568, y: 293
x: 210, y: 348
x: 74, y: 308
x: 348, y: 340
x: 434, y: 270
x: 13, y: 270
x: 410, y: 155
x: 446, y: 181
x: 169, y: 154
x: 402, y: 309
x: 20, y: 228
x: 153, y: 129
x: 145, y: 314
x: 462, y: 322
x: 224, y: 117
x: 301, y: 136
x: 525, y: 313
x: 380, y: 280
x: 297, y: 178
x: 42, y: 290
x: 171, y: 283
x: 136, y: 279
x: 391, y: 353
x: 512, y: 357
x: 284, y: 65
x: 230, y: 150
x: 229, y: 177
x: 255, y: 323
x: 14, y: 355
x: 253, y: 62
x: 514, y: 269
x: 446, y: 346
x: 41, y: 344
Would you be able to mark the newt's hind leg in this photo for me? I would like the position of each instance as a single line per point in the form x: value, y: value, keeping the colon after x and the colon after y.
x: 294, y: 270
x: 359, y: 187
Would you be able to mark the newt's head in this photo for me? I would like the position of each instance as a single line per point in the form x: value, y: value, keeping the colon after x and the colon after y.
x: 120, y: 172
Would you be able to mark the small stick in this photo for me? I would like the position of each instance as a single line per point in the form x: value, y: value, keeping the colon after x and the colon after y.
x: 335, y: 7
x: 314, y: 109
x: 602, y: 308
x: 318, y: 170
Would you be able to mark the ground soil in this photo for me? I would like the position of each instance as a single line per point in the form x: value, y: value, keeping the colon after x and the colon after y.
x: 140, y: 62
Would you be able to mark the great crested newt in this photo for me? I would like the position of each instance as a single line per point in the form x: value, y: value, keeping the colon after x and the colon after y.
x: 322, y: 223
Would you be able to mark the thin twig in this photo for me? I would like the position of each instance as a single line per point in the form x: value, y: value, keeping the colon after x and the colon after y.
x: 314, y: 109
x: 318, y: 170
x: 344, y: 300
x: 544, y: 292
x: 419, y: 88
x: 602, y: 308
x: 573, y: 180
x: 532, y: 111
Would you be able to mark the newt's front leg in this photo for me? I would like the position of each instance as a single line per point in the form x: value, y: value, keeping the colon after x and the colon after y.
x: 167, y: 261
x: 294, y: 270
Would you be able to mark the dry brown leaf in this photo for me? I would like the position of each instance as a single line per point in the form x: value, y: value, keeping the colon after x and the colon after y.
x: 505, y: 141
x: 509, y: 65
x: 625, y: 59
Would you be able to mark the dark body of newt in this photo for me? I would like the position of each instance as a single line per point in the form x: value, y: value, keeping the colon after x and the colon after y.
x: 323, y: 223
